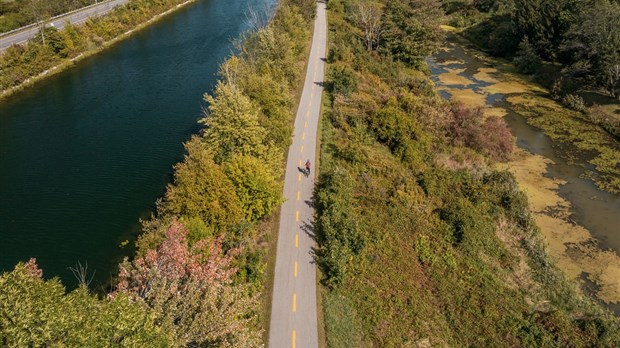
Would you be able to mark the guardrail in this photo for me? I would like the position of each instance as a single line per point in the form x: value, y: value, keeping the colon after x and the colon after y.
x: 52, y: 19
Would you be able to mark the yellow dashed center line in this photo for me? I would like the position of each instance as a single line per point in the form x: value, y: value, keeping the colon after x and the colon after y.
x: 295, y: 272
x: 300, y: 163
x: 299, y: 177
x: 305, y: 124
x: 294, y: 337
x: 297, y: 215
x: 298, y: 194
x: 297, y: 240
x: 294, y: 303
x: 302, y: 149
x: 303, y: 136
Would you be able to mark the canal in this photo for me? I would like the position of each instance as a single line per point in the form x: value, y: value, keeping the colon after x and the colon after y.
x: 86, y: 153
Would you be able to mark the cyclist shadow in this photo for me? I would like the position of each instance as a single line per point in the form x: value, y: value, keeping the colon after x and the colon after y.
x: 304, y: 171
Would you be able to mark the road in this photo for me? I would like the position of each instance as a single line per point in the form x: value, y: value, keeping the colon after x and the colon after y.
x: 294, y: 306
x: 75, y: 17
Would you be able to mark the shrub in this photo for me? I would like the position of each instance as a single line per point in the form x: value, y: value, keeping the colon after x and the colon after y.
x: 574, y: 102
x: 599, y: 116
x: 490, y: 136
x: 342, y: 80
x: 400, y: 132
x: 338, y: 234
x: 495, y: 139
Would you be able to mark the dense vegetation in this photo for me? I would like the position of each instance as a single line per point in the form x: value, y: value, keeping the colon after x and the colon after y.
x: 199, y: 271
x: 57, y: 47
x: 570, y: 48
x: 18, y: 13
x: 420, y: 241
x: 582, y: 36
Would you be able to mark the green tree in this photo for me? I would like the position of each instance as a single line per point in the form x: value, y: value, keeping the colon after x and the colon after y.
x: 410, y: 30
x: 545, y: 23
x: 526, y: 60
x: 201, y: 189
x: 36, y: 313
x: 255, y: 184
x: 232, y: 124
x: 342, y: 80
x: 594, y: 43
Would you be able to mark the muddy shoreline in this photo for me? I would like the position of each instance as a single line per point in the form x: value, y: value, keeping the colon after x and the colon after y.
x: 580, y: 223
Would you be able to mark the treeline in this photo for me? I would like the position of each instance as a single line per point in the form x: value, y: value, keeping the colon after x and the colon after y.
x: 421, y: 242
x: 200, y: 266
x: 583, y: 36
x: 56, y: 47
x: 18, y: 13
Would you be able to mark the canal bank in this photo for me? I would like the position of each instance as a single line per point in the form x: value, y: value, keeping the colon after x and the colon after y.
x: 66, y: 64
x: 580, y: 223
x: 85, y: 153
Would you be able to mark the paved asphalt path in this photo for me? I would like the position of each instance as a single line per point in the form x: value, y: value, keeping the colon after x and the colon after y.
x: 293, y: 309
x: 75, y: 17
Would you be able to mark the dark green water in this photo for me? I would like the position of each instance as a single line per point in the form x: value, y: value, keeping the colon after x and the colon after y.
x: 85, y: 154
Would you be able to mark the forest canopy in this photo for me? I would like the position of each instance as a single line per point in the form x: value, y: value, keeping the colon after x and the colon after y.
x: 582, y: 36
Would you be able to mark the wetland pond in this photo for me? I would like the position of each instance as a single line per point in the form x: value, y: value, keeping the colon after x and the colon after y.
x: 580, y: 222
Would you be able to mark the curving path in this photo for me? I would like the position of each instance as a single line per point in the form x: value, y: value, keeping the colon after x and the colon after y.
x: 293, y: 309
x: 19, y: 36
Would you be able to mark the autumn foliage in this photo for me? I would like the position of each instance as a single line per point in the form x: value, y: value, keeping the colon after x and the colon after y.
x: 190, y: 292
x: 489, y: 135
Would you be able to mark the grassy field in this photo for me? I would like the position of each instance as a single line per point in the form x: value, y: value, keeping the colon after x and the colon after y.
x: 420, y: 241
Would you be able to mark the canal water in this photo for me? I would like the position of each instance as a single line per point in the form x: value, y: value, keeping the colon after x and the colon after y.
x: 86, y: 153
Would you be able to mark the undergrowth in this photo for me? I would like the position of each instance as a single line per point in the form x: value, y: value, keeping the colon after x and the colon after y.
x: 420, y: 242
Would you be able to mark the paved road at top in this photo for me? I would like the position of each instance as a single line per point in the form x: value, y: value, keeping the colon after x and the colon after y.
x: 293, y: 310
x: 75, y: 17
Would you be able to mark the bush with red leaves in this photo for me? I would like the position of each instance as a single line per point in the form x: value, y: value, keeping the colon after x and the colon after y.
x: 469, y: 127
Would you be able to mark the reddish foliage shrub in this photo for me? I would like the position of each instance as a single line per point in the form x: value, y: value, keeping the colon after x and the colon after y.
x: 469, y: 127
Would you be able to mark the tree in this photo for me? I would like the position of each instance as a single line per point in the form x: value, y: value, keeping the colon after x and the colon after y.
x: 36, y: 313
x: 545, y: 23
x: 613, y: 78
x: 40, y: 11
x: 526, y: 60
x: 201, y: 189
x: 256, y: 186
x: 411, y: 30
x: 232, y: 124
x: 367, y: 15
x: 191, y: 293
x: 593, y: 43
